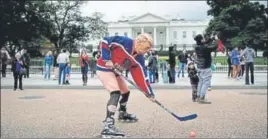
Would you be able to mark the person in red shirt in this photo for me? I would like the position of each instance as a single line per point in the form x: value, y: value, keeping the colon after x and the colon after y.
x: 84, y: 63
x: 122, y: 53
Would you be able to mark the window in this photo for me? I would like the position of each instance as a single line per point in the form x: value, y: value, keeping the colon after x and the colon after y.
x: 125, y: 34
x: 175, y: 34
x: 161, y: 35
x: 116, y: 34
x: 184, y: 34
x: 194, y: 34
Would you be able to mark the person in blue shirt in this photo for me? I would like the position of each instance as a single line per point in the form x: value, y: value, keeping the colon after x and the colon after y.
x: 48, y: 62
x: 235, y: 62
x: 18, y: 69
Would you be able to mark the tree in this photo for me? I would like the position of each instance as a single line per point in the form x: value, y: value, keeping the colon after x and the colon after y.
x: 216, y: 6
x: 70, y: 26
x: 21, y: 21
x: 239, y: 21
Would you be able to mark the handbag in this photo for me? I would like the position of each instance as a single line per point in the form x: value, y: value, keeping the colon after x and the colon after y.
x: 22, y: 71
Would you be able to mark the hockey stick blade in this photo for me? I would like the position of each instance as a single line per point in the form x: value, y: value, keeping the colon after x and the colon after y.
x: 185, y: 118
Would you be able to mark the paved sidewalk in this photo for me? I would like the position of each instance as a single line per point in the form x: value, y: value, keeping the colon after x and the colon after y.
x: 79, y: 114
x: 219, y: 81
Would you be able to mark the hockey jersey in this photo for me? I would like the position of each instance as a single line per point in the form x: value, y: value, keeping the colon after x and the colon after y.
x: 119, y: 50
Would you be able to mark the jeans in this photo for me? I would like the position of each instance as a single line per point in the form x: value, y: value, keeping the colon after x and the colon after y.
x: 152, y: 76
x: 17, y: 77
x: 204, y: 76
x: 250, y: 67
x: 62, y: 73
x: 84, y: 71
x: 164, y: 76
x: 47, y: 71
x: 210, y: 82
x: 181, y: 69
x: 173, y: 74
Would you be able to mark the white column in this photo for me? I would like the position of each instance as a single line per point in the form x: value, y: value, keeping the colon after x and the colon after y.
x: 142, y: 30
x: 167, y: 36
x: 155, y: 41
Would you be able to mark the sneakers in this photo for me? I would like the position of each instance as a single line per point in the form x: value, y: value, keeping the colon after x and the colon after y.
x: 110, y: 131
x: 209, y: 89
x: 202, y: 100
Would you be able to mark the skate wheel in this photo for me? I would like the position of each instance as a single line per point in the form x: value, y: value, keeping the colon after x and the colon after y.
x: 127, y: 121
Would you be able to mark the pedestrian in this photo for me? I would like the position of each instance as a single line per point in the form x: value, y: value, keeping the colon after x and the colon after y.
x: 157, y: 61
x: 122, y: 53
x: 25, y: 57
x: 62, y: 60
x: 84, y: 64
x: 203, y: 62
x: 229, y: 62
x: 172, y: 65
x: 192, y: 74
x: 55, y: 66
x: 4, y: 61
x: 183, y: 61
x: 152, y: 67
x: 48, y: 63
x: 164, y: 71
x: 242, y: 64
x: 235, y: 62
x: 18, y: 69
x: 93, y: 63
x: 249, y: 55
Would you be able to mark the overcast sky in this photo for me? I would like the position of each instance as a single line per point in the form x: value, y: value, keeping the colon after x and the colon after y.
x: 113, y: 10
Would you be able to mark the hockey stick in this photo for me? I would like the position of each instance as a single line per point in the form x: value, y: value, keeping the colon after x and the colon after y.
x: 183, y: 118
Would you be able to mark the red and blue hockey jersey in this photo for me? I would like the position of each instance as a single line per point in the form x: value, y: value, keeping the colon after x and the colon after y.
x: 120, y: 51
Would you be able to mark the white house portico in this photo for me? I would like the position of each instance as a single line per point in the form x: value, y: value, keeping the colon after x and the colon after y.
x: 165, y: 32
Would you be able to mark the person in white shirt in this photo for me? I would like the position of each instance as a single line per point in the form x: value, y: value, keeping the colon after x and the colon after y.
x: 62, y: 60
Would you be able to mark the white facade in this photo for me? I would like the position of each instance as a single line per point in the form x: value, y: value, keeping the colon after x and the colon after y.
x: 164, y: 32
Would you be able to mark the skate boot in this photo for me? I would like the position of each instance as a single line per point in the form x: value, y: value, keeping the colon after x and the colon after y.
x: 110, y: 131
x: 126, y: 117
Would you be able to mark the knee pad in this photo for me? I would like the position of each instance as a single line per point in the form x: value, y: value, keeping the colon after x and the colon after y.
x: 112, y: 103
x: 125, y: 97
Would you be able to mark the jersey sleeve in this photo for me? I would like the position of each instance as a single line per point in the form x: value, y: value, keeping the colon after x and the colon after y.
x: 139, y: 75
x: 104, y: 47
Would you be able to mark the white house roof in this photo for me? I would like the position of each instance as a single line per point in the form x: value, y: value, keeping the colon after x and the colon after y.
x: 148, y: 17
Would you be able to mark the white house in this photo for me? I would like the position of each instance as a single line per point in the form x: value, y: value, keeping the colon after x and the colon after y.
x: 164, y: 32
